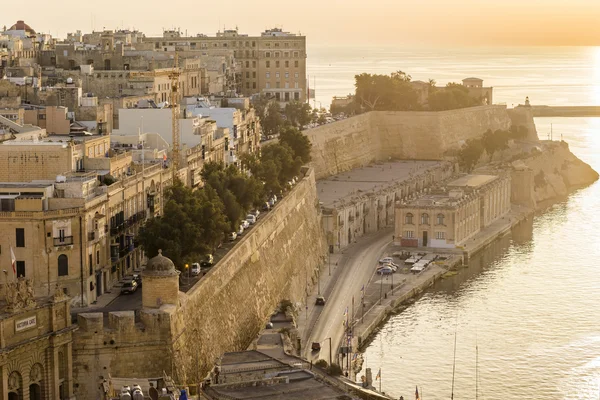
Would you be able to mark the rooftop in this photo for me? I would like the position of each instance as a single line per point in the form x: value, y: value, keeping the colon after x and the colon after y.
x: 374, y: 177
x: 472, y: 181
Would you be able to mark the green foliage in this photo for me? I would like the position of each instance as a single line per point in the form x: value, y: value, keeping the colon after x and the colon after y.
x: 321, y: 364
x: 297, y: 113
x: 192, y: 224
x: 321, y: 119
x: 490, y: 142
x: 470, y: 154
x: 334, y: 370
x: 386, y: 93
x: 298, y: 142
x: 451, y: 97
x: 272, y: 120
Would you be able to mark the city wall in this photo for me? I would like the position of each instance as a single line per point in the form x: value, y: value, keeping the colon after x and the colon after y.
x: 382, y: 135
x: 223, y: 312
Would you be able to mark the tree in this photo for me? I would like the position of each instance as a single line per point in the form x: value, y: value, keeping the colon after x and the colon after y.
x: 298, y: 142
x: 272, y: 121
x: 470, y: 154
x: 453, y: 96
x: 297, y: 113
x: 386, y: 93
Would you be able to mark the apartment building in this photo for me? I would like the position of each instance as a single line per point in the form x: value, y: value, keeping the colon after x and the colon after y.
x: 273, y: 63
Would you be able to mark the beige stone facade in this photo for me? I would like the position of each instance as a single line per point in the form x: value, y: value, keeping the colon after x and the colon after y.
x: 448, y: 217
x: 36, y: 345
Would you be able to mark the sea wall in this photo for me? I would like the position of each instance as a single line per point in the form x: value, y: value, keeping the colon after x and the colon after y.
x: 549, y: 175
x: 379, y: 136
x: 277, y: 260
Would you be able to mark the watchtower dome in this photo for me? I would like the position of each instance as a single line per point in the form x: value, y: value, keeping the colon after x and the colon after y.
x: 161, y: 282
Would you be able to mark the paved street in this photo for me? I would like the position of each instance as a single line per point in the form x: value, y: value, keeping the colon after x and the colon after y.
x: 356, y: 267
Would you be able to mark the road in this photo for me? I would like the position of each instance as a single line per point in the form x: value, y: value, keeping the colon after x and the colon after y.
x: 356, y: 268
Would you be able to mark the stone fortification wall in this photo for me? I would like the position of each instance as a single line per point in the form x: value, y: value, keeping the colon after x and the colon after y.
x: 120, y: 347
x: 378, y: 136
x: 225, y: 311
x: 549, y: 175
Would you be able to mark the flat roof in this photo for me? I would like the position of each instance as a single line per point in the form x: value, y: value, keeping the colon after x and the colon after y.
x: 24, y: 185
x: 359, y: 181
x: 473, y: 181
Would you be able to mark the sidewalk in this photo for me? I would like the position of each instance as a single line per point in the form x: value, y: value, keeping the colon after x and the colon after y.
x: 104, y: 300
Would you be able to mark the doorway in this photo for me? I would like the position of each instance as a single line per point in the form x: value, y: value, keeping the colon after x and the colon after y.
x: 35, y: 392
x: 99, y: 284
x: 424, y: 238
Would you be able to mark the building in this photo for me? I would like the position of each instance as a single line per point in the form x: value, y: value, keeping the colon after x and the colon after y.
x: 361, y: 201
x: 36, y: 345
x: 447, y: 217
x: 273, y: 63
x: 477, y: 90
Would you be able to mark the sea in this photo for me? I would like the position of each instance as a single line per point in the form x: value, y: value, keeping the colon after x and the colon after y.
x: 525, y: 314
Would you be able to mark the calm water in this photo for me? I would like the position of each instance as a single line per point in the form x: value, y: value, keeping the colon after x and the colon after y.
x: 557, y: 76
x: 531, y: 300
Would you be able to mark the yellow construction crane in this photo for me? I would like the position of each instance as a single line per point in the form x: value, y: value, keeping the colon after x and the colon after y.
x: 174, y: 76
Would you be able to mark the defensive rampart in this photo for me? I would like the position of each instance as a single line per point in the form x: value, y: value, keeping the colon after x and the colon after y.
x: 379, y: 136
x: 223, y: 312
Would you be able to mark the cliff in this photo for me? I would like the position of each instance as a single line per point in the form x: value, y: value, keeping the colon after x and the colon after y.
x: 379, y: 136
x: 549, y: 175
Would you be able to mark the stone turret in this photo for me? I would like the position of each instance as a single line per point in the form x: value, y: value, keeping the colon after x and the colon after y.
x: 161, y: 282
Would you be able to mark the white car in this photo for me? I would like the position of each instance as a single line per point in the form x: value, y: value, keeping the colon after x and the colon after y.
x: 195, y: 269
x: 245, y: 224
x: 251, y: 219
x: 392, y: 266
x: 240, y: 231
x: 386, y: 260
x: 232, y: 236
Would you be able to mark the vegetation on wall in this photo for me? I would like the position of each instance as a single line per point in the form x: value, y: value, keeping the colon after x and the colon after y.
x: 490, y: 142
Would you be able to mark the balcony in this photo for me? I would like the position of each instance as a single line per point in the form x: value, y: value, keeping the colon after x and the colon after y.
x: 63, y: 241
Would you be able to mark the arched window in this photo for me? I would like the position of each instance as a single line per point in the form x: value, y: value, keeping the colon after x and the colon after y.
x: 63, y: 265
x: 408, y: 219
x: 425, y: 219
x: 440, y: 219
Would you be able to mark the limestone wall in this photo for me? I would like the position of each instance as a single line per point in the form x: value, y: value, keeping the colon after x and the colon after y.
x: 377, y: 136
x: 275, y: 261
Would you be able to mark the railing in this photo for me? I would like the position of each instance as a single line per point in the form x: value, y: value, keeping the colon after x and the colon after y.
x: 63, y: 241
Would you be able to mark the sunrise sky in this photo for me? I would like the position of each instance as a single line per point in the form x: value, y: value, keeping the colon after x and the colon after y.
x: 461, y: 22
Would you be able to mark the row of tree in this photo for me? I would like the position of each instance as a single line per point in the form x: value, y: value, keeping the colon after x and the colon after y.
x: 490, y: 142
x: 195, y: 222
x: 395, y: 92
x: 295, y: 114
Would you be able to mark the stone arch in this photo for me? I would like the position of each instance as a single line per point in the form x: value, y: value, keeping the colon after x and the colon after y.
x: 36, y: 384
x: 15, y: 386
x: 63, y: 265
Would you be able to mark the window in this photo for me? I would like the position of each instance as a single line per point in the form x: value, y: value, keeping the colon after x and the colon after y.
x: 63, y: 265
x: 254, y: 74
x: 253, y: 64
x: 253, y: 44
x: 90, y: 267
x: 409, y: 234
x: 296, y: 54
x: 296, y: 94
x: 247, y: 85
x: 277, y: 74
x: 440, y: 219
x: 296, y: 75
x: 247, y: 74
x: 276, y: 44
x: 247, y: 64
x: 287, y: 64
x: 268, y: 75
x: 268, y: 54
x: 425, y: 219
x: 287, y: 85
x: 277, y: 86
x: 440, y: 235
x: 276, y: 64
x: 268, y: 64
x: 20, y: 268
x: 277, y: 54
x: 408, y: 219
x: 97, y: 256
x: 268, y: 85
x: 253, y: 85
x: 296, y: 85
x: 20, y: 233
x: 296, y: 63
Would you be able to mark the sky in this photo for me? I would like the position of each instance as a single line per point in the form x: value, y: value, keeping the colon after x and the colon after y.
x: 335, y: 22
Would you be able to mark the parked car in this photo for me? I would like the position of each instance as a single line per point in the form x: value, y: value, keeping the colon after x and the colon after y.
x: 251, y: 219
x: 320, y: 301
x: 394, y: 268
x: 271, y: 202
x: 386, y: 260
x: 269, y: 325
x: 316, y: 346
x: 195, y: 271
x: 385, y: 270
x: 138, y: 278
x: 240, y: 231
x: 232, y: 236
x: 266, y: 206
x: 256, y: 213
x: 129, y: 286
x: 246, y: 224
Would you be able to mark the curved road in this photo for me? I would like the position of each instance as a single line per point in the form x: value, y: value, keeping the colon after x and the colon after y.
x: 357, y: 267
